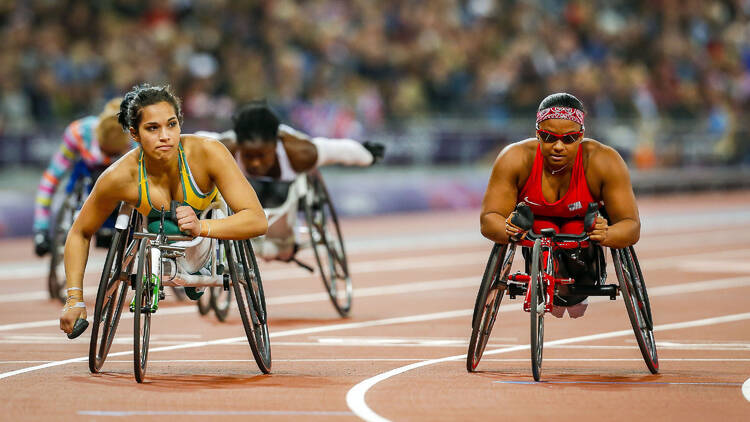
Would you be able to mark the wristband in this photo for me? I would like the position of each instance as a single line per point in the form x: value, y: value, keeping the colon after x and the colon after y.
x: 208, y: 229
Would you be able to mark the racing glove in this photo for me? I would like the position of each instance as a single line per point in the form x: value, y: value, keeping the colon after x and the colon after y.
x: 376, y: 149
x: 41, y: 243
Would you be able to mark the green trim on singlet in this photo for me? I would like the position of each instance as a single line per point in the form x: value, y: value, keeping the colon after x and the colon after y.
x: 191, y: 197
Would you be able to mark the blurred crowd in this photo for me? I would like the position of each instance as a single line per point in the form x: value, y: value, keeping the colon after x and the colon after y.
x: 348, y: 67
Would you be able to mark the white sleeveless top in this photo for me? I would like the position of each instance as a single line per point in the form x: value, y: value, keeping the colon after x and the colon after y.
x: 287, y: 172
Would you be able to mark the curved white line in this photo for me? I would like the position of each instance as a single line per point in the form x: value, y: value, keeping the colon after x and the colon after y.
x: 355, y: 397
x: 746, y: 389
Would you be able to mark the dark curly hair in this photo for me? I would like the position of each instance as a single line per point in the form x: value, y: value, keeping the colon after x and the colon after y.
x: 145, y: 95
x: 256, y: 121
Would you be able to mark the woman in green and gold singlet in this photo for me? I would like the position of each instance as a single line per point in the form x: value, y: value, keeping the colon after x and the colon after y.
x: 167, y: 166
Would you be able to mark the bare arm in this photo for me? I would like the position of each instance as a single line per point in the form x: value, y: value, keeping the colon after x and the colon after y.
x: 624, y: 226
x: 306, y: 154
x: 248, y: 220
x: 502, y: 190
x: 96, y: 209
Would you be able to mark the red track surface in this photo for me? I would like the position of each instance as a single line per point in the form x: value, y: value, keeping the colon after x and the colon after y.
x: 416, y: 278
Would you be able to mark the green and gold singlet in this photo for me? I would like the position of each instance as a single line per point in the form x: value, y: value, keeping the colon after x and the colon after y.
x: 192, y: 196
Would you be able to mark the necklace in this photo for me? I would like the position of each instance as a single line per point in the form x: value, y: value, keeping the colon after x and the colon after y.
x: 558, y: 170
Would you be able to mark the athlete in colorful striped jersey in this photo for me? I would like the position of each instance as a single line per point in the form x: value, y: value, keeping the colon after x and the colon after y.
x: 265, y: 149
x: 95, y: 141
x: 557, y: 174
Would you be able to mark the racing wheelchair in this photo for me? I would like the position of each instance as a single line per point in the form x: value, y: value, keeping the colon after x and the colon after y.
x: 146, y: 262
x: 307, y: 194
x: 543, y: 255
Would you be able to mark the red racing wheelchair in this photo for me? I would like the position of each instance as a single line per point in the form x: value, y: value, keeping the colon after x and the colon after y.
x: 542, y: 280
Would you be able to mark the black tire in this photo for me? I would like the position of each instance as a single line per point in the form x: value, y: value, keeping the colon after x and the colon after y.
x: 536, y: 310
x: 635, y: 296
x: 221, y: 302
x: 328, y: 245
x: 110, y: 298
x: 179, y: 294
x: 142, y: 312
x: 491, y: 292
x: 204, y: 303
x: 251, y: 302
x: 63, y: 221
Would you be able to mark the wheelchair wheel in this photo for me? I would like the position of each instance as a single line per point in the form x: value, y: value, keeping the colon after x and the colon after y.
x: 179, y: 294
x: 251, y: 302
x: 220, y: 302
x: 113, y: 289
x: 63, y: 222
x: 204, y: 303
x: 490, y: 294
x: 328, y: 245
x: 536, y: 309
x: 142, y: 311
x: 633, y: 289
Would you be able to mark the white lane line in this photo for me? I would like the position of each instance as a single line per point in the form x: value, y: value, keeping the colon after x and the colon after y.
x: 451, y: 283
x: 308, y: 330
x: 683, y: 262
x: 641, y: 383
x: 698, y: 286
x: 349, y: 360
x: 382, y: 265
x: 663, y: 290
x: 123, y: 413
x: 355, y: 397
x: 746, y: 389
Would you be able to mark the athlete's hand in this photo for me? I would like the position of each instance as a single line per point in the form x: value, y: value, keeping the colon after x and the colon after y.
x: 187, y: 221
x: 41, y: 243
x: 514, y: 232
x: 376, y: 149
x: 70, y: 314
x: 599, y: 232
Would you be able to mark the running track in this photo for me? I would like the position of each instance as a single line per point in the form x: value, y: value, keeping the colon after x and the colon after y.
x: 401, y: 354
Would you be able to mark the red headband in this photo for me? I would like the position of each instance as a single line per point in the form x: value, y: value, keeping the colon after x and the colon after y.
x: 566, y: 113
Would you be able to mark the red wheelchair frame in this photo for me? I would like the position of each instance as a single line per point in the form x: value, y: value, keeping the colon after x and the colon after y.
x: 540, y: 284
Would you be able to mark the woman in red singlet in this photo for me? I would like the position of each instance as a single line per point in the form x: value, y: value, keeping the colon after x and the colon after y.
x: 557, y: 174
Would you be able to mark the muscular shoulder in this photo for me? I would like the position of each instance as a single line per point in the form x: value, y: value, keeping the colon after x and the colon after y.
x: 599, y: 157
x: 202, y: 146
x: 120, y: 180
x: 517, y: 156
x: 301, y: 151
x: 514, y: 162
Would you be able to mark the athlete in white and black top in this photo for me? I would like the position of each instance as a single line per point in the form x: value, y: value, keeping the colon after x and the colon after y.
x: 266, y: 149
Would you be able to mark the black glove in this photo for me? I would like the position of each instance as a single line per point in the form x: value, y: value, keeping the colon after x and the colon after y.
x: 41, y: 243
x: 376, y: 149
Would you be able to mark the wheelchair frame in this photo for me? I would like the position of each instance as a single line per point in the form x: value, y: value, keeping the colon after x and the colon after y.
x: 136, y: 260
x: 539, y: 286
x: 321, y: 230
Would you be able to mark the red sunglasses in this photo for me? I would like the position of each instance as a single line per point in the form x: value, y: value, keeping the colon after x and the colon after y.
x: 550, y: 137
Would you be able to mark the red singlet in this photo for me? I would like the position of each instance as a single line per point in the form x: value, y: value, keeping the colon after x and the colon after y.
x: 566, y: 214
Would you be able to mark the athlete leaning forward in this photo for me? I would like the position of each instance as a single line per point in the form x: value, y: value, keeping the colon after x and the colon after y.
x: 167, y: 166
x: 267, y: 150
x: 557, y: 175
